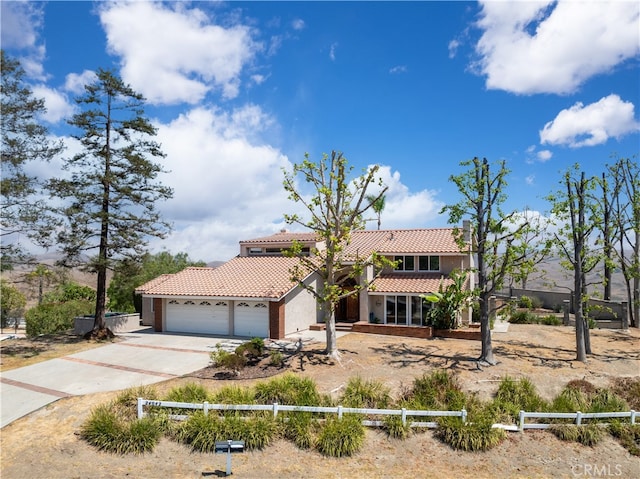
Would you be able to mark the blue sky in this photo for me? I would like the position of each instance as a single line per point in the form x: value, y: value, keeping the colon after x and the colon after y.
x: 240, y: 90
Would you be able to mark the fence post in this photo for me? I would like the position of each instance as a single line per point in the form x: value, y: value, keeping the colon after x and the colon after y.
x: 404, y: 416
x: 275, y: 410
x: 521, y: 419
x: 633, y: 416
x: 205, y: 408
x: 339, y: 412
x: 140, y: 411
x: 578, y: 418
x: 463, y: 415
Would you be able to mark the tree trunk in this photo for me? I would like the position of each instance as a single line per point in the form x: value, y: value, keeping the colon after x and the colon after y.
x: 485, y: 331
x: 330, y: 327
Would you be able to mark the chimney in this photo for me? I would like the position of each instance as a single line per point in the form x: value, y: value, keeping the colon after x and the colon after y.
x: 466, y: 231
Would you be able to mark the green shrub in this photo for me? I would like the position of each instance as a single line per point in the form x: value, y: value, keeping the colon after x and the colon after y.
x: 201, y: 431
x: 288, y: 389
x: 525, y: 302
x: 536, y: 302
x: 276, y: 358
x: 234, y: 395
x: 108, y: 432
x: 605, y: 400
x: 523, y: 317
x: 587, y: 435
x: 570, y: 399
x: 341, y: 437
x: 224, y: 359
x: 368, y: 394
x: 190, y: 392
x: 49, y: 318
x: 550, y: 320
x: 592, y: 323
x: 476, y: 435
x: 252, y: 350
x: 299, y: 428
x: 126, y: 403
x: 629, y: 390
x: 439, y: 390
x: 513, y: 396
x: 395, y: 428
x: 628, y: 435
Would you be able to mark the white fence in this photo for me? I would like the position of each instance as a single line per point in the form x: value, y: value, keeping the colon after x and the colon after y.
x: 275, y: 408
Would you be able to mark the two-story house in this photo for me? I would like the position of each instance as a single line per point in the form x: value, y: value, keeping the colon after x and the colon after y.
x: 253, y: 294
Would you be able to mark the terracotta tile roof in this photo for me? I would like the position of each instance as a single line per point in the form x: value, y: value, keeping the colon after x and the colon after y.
x: 417, y: 241
x: 244, y: 277
x: 153, y: 283
x: 283, y: 237
x: 410, y: 283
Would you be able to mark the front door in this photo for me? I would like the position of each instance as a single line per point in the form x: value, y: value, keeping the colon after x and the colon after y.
x: 348, y: 309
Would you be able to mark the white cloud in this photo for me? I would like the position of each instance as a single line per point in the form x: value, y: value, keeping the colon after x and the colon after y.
x: 398, y: 69
x: 75, y: 83
x: 298, y: 24
x: 453, y: 48
x: 226, y: 187
x: 530, y: 180
x: 332, y: 51
x: 21, y: 22
x: 544, y: 155
x: 404, y: 209
x: 591, y: 125
x: 554, y: 47
x: 58, y: 105
x: 176, y: 55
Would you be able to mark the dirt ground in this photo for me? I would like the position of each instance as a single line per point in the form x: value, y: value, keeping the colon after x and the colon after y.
x: 46, y: 443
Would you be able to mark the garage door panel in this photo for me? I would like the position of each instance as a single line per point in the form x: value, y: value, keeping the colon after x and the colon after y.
x: 191, y: 316
x: 251, y: 319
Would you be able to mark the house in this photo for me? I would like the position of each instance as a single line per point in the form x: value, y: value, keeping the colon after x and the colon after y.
x: 253, y: 295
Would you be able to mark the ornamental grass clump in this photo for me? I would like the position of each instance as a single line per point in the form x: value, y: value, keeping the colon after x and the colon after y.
x: 340, y: 437
x: 439, y: 390
x: 234, y: 395
x: 109, y: 432
x: 288, y: 389
x: 366, y: 394
x: 201, y: 431
x: 628, y: 435
x: 395, y: 428
x: 300, y: 428
x: 514, y: 396
x: 587, y: 434
x: 477, y: 434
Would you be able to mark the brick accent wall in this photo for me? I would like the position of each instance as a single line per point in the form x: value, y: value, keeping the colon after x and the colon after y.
x: 393, y: 330
x: 157, y: 314
x: 276, y: 319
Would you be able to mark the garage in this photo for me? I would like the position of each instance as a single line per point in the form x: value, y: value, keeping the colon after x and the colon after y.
x: 251, y: 319
x: 197, y: 316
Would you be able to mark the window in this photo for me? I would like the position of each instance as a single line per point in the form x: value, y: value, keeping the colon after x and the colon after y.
x: 405, y: 263
x: 406, y: 310
x: 255, y: 250
x: 205, y: 303
x: 273, y: 250
x: 429, y: 263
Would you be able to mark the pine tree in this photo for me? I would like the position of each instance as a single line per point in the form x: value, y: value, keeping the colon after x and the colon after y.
x: 24, y: 140
x: 111, y: 191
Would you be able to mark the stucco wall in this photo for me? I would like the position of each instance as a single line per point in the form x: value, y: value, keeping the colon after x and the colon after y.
x: 301, y: 308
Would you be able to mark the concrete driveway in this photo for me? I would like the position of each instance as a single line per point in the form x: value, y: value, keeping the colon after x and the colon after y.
x: 142, y: 358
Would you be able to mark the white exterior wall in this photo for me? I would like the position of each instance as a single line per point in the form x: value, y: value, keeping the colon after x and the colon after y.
x: 301, y: 308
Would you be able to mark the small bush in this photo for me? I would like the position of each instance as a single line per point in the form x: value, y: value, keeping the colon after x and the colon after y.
x: 299, y: 428
x: 276, y: 358
x: 587, y: 435
x: 478, y: 435
x: 629, y: 390
x: 251, y: 350
x: 605, y: 400
x: 108, y: 432
x: 550, y: 320
x: 190, y: 392
x: 570, y: 399
x: 49, y: 318
x: 513, y: 396
x: 438, y: 391
x: 628, y: 435
x: 523, y: 317
x: 360, y: 393
x: 234, y: 395
x: 341, y: 437
x: 525, y: 302
x: 288, y: 389
x: 395, y: 428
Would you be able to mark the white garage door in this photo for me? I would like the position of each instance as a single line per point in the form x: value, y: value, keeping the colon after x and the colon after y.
x: 198, y: 316
x: 251, y: 319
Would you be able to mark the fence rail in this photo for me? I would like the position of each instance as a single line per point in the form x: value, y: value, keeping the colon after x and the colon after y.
x: 276, y: 408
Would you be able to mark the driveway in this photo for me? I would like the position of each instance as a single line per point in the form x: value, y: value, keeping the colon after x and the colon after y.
x: 142, y: 358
